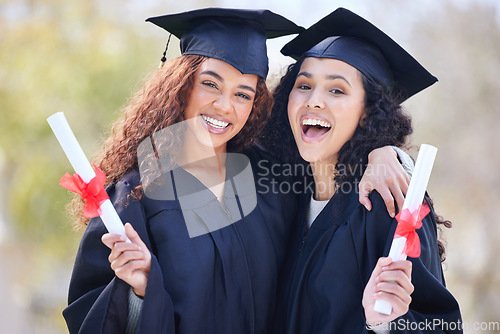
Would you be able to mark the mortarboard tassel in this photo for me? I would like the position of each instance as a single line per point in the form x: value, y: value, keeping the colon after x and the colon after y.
x: 164, y: 58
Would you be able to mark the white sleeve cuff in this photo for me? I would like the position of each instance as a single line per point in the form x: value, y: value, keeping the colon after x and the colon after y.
x: 406, y: 160
x: 382, y: 328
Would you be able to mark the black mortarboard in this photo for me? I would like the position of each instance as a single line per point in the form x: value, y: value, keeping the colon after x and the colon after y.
x: 235, y: 36
x: 350, y: 38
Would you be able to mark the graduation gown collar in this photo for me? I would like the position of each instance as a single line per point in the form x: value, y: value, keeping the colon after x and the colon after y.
x: 177, y: 189
x: 336, y: 212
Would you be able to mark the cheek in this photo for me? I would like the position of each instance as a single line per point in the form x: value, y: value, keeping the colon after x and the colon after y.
x: 349, y: 123
x: 192, y: 104
x: 352, y: 113
x: 242, y: 116
x: 189, y: 110
x: 292, y: 108
x: 200, y: 96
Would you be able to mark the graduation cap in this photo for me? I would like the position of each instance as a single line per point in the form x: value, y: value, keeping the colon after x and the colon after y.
x: 235, y: 36
x: 345, y: 36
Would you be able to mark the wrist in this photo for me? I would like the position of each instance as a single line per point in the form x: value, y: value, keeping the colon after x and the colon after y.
x: 377, y: 327
x: 370, y: 324
x: 381, y: 152
x: 139, y: 292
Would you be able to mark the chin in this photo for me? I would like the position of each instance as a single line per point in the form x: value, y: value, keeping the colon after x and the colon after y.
x: 316, y: 153
x: 311, y: 155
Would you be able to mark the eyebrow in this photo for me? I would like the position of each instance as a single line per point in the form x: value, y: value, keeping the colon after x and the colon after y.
x: 212, y: 73
x: 329, y: 77
x: 218, y: 77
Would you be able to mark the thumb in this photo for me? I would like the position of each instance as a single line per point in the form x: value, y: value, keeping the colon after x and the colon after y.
x: 364, y: 200
x: 364, y: 191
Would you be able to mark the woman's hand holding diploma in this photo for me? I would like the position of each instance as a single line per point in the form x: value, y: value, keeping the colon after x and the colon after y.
x: 131, y: 261
x: 390, y: 281
x: 406, y: 241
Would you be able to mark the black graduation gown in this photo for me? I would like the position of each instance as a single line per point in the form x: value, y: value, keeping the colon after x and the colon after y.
x: 219, y: 282
x: 330, y: 264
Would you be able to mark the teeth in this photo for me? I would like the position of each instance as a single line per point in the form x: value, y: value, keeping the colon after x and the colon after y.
x: 215, y: 122
x: 312, y: 121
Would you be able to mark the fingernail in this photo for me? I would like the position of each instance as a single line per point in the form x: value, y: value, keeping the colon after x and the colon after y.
x: 392, y: 215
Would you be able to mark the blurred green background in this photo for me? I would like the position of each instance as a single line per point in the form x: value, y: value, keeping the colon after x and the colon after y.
x: 86, y: 58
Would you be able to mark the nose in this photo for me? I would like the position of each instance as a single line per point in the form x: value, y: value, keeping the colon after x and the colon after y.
x: 315, y: 100
x: 223, y: 103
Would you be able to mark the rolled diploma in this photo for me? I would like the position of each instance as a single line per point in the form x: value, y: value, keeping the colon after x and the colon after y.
x: 82, y: 167
x: 414, y: 198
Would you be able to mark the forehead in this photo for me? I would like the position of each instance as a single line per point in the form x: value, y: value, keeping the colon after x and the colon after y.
x: 226, y: 71
x: 327, y: 67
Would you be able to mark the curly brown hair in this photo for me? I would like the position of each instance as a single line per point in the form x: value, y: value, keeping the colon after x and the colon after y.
x: 159, y: 104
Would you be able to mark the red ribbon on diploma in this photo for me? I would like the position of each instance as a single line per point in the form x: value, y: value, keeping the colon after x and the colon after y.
x: 93, y: 193
x: 408, y: 222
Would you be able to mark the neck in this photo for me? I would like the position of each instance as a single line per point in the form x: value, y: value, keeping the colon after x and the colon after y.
x: 323, y: 173
x: 207, y: 164
x: 193, y: 150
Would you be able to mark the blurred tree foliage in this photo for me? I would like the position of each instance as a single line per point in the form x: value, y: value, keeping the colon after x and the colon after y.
x: 460, y: 115
x: 76, y: 57
x: 59, y: 56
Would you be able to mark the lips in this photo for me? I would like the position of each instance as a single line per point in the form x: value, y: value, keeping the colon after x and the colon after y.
x: 314, y: 129
x: 216, y: 125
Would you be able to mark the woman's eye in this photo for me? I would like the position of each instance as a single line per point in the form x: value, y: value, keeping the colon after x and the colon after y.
x: 244, y: 96
x: 303, y: 87
x: 209, y: 84
x: 337, y: 91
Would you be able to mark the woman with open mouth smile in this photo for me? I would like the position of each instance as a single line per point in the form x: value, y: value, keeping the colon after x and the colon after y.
x: 325, y: 106
x: 342, y: 100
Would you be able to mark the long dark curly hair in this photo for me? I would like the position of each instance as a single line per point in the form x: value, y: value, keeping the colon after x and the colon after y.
x: 159, y: 104
x: 384, y: 123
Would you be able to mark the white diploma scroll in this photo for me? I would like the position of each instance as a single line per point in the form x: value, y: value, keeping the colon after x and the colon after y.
x: 82, y: 167
x: 413, y: 200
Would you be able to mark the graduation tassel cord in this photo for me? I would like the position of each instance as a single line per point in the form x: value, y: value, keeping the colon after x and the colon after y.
x: 164, y: 58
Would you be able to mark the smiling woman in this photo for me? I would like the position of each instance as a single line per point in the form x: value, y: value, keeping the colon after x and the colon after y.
x: 343, y: 99
x: 325, y: 107
x: 222, y: 99
x: 222, y: 279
